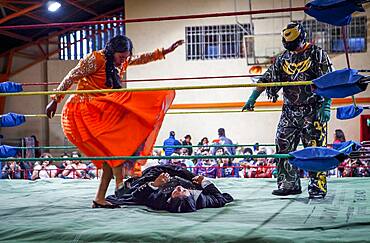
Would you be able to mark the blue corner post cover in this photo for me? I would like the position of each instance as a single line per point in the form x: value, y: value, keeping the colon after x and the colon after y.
x: 334, y: 12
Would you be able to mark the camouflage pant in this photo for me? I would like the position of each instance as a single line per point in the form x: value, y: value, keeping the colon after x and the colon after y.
x: 296, y: 123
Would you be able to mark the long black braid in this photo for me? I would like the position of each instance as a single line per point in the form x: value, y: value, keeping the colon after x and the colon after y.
x: 119, y: 43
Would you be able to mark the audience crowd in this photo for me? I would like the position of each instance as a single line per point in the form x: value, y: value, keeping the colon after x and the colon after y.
x: 73, y: 168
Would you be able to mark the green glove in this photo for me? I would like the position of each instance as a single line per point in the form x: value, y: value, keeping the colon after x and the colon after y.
x: 249, y: 105
x: 324, y: 111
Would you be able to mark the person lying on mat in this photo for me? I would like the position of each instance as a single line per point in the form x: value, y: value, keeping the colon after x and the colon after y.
x: 170, y: 188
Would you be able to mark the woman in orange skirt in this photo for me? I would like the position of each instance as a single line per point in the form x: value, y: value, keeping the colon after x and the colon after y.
x: 114, y: 124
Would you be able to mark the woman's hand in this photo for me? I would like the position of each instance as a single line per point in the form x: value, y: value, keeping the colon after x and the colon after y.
x: 51, y: 108
x: 161, y: 180
x: 173, y: 47
x: 198, y: 179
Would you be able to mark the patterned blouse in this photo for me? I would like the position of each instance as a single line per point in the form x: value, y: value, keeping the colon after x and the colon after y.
x: 89, y: 74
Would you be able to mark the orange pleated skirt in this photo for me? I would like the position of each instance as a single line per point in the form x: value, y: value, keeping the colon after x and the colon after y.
x: 117, y: 124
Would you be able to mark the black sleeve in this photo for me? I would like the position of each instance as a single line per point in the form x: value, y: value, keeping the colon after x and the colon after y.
x: 142, y: 193
x: 273, y: 74
x: 211, y: 189
x: 213, y: 198
x: 155, y: 199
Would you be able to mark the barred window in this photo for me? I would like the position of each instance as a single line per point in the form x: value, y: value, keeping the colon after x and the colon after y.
x: 329, y: 37
x: 76, y: 44
x: 216, y: 42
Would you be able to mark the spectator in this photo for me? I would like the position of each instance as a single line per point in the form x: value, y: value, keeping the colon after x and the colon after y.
x: 188, y: 163
x: 256, y: 148
x: 44, y: 169
x: 203, y: 143
x: 223, y: 140
x: 206, y: 167
x: 339, y: 136
x: 63, y: 164
x: 26, y: 169
x: 76, y: 170
x: 229, y: 169
x: 152, y: 162
x: 11, y: 170
x: 175, y: 161
x: 246, y: 162
x: 171, y: 141
x: 264, y: 169
x: 246, y: 151
x: 219, y: 151
x: 92, y: 172
x: 188, y: 143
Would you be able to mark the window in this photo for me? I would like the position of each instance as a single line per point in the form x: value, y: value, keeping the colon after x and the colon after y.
x: 76, y: 44
x: 216, y: 42
x: 329, y: 37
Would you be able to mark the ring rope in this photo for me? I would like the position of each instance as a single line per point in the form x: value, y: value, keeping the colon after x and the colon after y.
x: 256, y: 156
x: 154, y: 19
x: 181, y: 112
x: 160, y: 146
x: 159, y: 79
x: 298, y: 83
x: 168, y: 79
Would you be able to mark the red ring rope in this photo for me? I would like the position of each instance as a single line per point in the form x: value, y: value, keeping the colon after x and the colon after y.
x: 153, y: 19
x: 159, y: 79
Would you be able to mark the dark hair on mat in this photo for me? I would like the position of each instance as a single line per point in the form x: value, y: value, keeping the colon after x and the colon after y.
x: 339, y: 135
x: 119, y: 43
x: 182, y: 205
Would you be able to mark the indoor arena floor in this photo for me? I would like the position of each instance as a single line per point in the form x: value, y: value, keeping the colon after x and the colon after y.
x: 59, y: 211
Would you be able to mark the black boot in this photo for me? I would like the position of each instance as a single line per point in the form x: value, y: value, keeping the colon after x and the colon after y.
x: 286, y: 192
x: 317, y: 187
x: 284, y: 189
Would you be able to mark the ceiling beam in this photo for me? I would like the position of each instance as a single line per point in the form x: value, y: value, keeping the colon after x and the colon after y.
x: 30, y: 15
x: 26, y: 55
x: 79, y: 10
x: 18, y: 2
x: 56, y: 51
x: 55, y: 34
x: 10, y: 63
x: 15, y: 36
x: 41, y: 49
x: 45, y: 39
x: 20, y: 13
x: 84, y: 8
x: 66, y: 17
x: 3, y: 11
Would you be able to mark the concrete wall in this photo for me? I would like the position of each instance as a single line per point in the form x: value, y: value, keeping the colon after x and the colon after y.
x: 241, y: 127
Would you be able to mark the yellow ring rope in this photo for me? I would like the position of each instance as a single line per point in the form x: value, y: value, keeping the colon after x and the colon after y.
x: 158, y: 88
x: 181, y: 112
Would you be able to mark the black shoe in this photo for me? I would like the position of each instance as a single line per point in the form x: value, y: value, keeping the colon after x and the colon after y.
x: 286, y: 192
x: 98, y: 205
x: 125, y: 189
